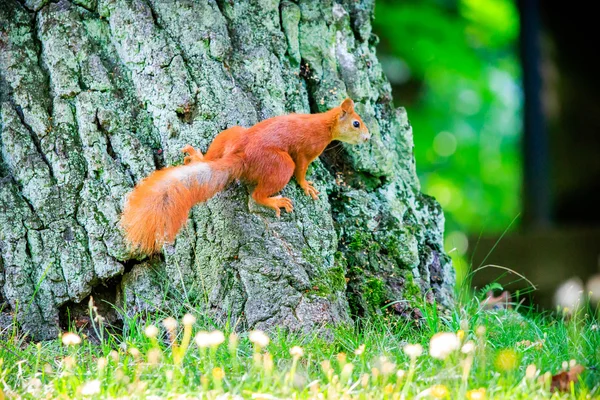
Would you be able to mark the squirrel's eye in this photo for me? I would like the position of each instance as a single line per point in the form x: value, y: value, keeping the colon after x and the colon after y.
x: 356, y: 124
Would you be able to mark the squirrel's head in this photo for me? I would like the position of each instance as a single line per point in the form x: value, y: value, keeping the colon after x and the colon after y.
x: 349, y: 126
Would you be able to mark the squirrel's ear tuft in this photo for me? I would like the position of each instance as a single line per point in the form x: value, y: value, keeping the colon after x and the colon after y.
x: 347, y: 106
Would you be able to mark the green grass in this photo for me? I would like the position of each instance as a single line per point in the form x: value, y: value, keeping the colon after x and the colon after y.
x: 135, y: 366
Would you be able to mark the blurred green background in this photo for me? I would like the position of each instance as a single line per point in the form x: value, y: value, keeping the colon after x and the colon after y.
x: 455, y: 67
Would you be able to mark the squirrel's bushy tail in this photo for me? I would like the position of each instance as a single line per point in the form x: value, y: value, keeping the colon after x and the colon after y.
x: 159, y: 205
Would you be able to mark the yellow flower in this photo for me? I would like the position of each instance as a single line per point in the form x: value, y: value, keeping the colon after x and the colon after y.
x: 218, y: 373
x: 476, y: 394
x: 460, y: 334
x: 388, y: 389
x: 506, y: 360
x: 439, y: 391
x: 71, y: 339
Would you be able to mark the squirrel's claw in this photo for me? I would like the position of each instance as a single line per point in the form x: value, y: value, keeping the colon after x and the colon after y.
x: 280, y: 202
x: 310, y: 190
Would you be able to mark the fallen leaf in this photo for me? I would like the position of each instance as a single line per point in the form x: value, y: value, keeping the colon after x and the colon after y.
x: 562, y: 380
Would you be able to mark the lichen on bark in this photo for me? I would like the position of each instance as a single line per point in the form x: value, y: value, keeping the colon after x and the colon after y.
x: 94, y: 95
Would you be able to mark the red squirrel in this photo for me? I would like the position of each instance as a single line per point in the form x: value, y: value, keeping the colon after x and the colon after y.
x: 265, y: 155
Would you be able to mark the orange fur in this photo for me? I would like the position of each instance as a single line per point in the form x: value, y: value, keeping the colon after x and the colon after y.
x: 265, y: 155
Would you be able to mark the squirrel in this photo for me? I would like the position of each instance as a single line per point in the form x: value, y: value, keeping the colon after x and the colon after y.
x: 265, y: 155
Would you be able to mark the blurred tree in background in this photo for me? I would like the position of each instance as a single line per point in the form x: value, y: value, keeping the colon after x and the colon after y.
x: 454, y: 65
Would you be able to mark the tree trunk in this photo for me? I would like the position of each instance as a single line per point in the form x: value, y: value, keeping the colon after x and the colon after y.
x: 96, y: 94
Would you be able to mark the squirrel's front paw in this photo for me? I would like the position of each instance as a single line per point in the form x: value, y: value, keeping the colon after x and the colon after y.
x: 194, y: 155
x: 310, y: 190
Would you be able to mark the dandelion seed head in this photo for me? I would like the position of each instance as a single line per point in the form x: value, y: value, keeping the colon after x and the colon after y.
x: 151, y: 331
x: 268, y: 362
x: 296, y: 352
x: 442, y: 344
x: 468, y: 347
x: 135, y: 353
x: 347, y: 371
x: 364, y: 380
x: 215, y: 338
x: 188, y: 320
x: 91, y: 388
x: 154, y: 356
x: 102, y: 363
x: 375, y: 372
x: 413, y: 350
x: 233, y: 341
x: 531, y: 371
x: 259, y: 338
x: 68, y: 362
x: 169, y: 374
x: 170, y: 323
x: 387, y: 368
x: 71, y: 339
x: 202, y: 339
x: 360, y: 350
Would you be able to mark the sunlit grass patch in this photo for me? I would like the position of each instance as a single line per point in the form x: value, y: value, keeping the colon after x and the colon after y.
x: 468, y: 353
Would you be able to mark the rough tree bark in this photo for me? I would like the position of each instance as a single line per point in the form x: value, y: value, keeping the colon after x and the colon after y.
x: 95, y: 94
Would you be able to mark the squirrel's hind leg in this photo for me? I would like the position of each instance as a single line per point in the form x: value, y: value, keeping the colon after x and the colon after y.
x: 194, y: 155
x: 278, y: 170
